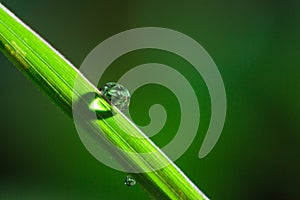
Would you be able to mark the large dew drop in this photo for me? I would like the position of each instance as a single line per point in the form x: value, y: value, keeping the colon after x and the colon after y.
x: 116, y: 94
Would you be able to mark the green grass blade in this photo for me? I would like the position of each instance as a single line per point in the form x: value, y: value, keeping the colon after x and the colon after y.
x: 55, y: 76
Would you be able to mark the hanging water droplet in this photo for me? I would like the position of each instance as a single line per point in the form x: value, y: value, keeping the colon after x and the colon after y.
x: 116, y: 94
x: 129, y: 181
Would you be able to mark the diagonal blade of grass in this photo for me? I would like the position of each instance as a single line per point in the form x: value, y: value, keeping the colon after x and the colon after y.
x: 55, y: 76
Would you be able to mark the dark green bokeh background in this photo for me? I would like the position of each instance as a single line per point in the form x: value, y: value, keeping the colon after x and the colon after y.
x: 255, y: 45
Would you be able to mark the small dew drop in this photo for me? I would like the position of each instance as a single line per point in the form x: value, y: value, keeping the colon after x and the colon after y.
x: 116, y: 94
x: 129, y: 181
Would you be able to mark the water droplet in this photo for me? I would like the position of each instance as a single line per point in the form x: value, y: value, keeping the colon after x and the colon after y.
x: 129, y: 181
x: 116, y: 94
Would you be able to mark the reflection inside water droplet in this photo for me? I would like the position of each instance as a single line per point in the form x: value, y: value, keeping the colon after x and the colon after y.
x: 129, y: 181
x: 116, y: 94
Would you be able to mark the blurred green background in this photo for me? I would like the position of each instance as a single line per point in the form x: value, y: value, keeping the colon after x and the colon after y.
x: 255, y: 45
